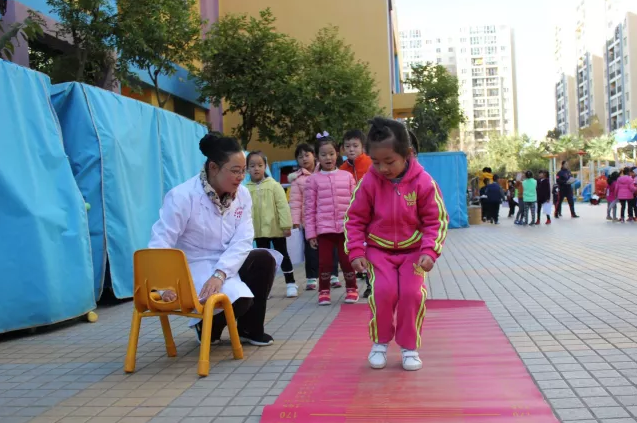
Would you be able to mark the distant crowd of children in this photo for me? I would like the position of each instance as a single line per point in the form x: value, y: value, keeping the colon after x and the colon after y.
x: 379, y: 210
x: 530, y: 196
x: 622, y: 189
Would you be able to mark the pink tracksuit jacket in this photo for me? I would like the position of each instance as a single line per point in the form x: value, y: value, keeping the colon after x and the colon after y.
x: 327, y: 196
x: 392, y: 225
x: 298, y: 180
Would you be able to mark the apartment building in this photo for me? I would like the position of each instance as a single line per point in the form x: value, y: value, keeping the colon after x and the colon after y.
x: 419, y: 46
x: 488, y: 91
x: 565, y: 81
x: 589, y: 71
x: 620, y: 73
x: 483, y: 59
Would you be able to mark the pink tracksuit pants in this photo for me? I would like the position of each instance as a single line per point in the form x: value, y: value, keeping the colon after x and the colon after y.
x: 398, y: 289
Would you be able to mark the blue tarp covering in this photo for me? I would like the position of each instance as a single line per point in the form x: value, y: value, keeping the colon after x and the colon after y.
x: 45, y: 268
x: 126, y: 156
x: 450, y: 172
x: 626, y: 135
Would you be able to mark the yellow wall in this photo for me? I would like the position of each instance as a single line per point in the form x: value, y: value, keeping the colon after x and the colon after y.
x: 362, y: 23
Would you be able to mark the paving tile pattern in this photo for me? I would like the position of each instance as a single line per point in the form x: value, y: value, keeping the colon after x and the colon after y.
x: 565, y: 296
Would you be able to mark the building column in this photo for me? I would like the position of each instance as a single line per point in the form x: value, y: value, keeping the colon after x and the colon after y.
x: 209, y: 10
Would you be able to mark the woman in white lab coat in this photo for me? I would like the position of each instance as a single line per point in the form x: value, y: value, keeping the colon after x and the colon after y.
x: 209, y: 218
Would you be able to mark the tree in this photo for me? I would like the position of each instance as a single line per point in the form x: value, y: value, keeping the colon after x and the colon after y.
x: 503, y: 152
x: 553, y: 134
x: 29, y: 29
x: 633, y: 124
x: 89, y: 25
x: 600, y: 147
x: 250, y: 67
x: 156, y: 35
x: 333, y: 91
x: 593, y: 130
x: 437, y: 109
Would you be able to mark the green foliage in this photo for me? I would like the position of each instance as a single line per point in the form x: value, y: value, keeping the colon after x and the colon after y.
x: 553, y: 134
x: 332, y: 91
x: 437, y: 109
x: 250, y: 67
x: 600, y: 147
x: 284, y: 91
x: 509, y: 154
x: 89, y: 25
x: 29, y: 29
x: 633, y: 124
x: 155, y: 35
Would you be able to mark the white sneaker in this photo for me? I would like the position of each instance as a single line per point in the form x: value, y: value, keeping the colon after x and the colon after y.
x: 378, y: 356
x: 292, y: 291
x: 411, y: 360
x: 334, y: 282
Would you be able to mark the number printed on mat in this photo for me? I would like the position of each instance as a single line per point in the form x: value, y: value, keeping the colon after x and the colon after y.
x: 288, y: 415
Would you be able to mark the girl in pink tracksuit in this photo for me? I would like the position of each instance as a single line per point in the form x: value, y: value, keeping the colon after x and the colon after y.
x: 327, y: 195
x: 625, y: 192
x: 395, y: 227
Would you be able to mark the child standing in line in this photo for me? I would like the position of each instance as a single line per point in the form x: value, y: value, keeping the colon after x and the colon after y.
x: 519, y: 188
x: 395, y: 228
x: 270, y: 215
x: 493, y: 192
x: 511, y: 198
x: 484, y: 204
x: 611, y: 196
x: 556, y: 199
x: 328, y: 193
x: 625, y: 193
x: 543, y: 197
x: 306, y: 160
x: 357, y: 163
x: 530, y: 197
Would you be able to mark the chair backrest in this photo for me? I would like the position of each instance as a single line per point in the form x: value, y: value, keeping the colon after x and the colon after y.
x: 158, y: 269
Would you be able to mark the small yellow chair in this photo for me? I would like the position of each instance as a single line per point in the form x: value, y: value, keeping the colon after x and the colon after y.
x: 163, y: 269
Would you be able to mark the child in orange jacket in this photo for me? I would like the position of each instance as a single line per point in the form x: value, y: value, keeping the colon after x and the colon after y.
x: 357, y: 163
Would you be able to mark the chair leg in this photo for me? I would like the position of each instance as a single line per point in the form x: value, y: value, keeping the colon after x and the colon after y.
x: 131, y: 353
x: 204, y: 352
x: 171, y: 349
x: 237, y: 349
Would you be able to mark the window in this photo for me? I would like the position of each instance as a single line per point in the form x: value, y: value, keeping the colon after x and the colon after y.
x: 439, y: 60
x: 438, y: 50
x: 450, y: 50
x: 475, y: 41
x: 491, y: 61
x: 492, y: 71
x: 438, y: 40
x: 493, y: 92
x: 463, y: 50
x: 463, y: 40
x: 492, y: 50
x: 415, y: 43
x: 428, y: 42
x: 627, y: 96
x: 464, y: 71
x: 477, y: 72
x: 503, y: 48
x: 475, y: 51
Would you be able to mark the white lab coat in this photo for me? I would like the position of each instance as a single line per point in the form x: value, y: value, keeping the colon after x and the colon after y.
x: 190, y: 222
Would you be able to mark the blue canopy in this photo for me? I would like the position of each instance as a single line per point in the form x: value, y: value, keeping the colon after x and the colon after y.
x: 46, y: 269
x: 625, y: 135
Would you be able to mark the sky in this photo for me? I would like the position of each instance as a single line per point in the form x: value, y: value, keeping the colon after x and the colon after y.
x: 533, y: 23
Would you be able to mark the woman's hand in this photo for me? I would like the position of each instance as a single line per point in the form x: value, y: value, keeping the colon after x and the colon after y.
x: 313, y: 243
x: 287, y: 233
x: 211, y: 287
x: 426, y: 263
x: 360, y: 265
x: 169, y: 296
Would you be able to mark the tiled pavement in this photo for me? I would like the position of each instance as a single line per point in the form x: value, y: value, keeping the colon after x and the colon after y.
x: 565, y: 295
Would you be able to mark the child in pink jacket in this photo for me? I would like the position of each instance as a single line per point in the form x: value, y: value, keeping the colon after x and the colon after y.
x: 625, y: 193
x: 398, y: 211
x: 327, y: 195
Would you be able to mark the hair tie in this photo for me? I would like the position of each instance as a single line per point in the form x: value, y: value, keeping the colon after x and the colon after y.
x: 323, y: 135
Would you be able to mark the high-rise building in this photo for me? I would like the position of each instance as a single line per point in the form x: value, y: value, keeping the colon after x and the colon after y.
x: 620, y: 73
x: 565, y: 81
x: 419, y: 46
x: 483, y: 59
x: 589, y: 33
x: 488, y: 91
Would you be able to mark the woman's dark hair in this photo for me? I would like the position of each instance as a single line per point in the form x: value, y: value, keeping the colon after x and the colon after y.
x: 528, y: 174
x: 485, y: 181
x: 495, y: 178
x: 563, y: 163
x: 625, y: 171
x: 613, y: 177
x: 218, y: 148
x: 303, y: 148
x: 383, y: 129
x: 257, y: 153
x: 320, y: 142
x: 415, y: 145
x: 485, y: 169
x: 355, y: 134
